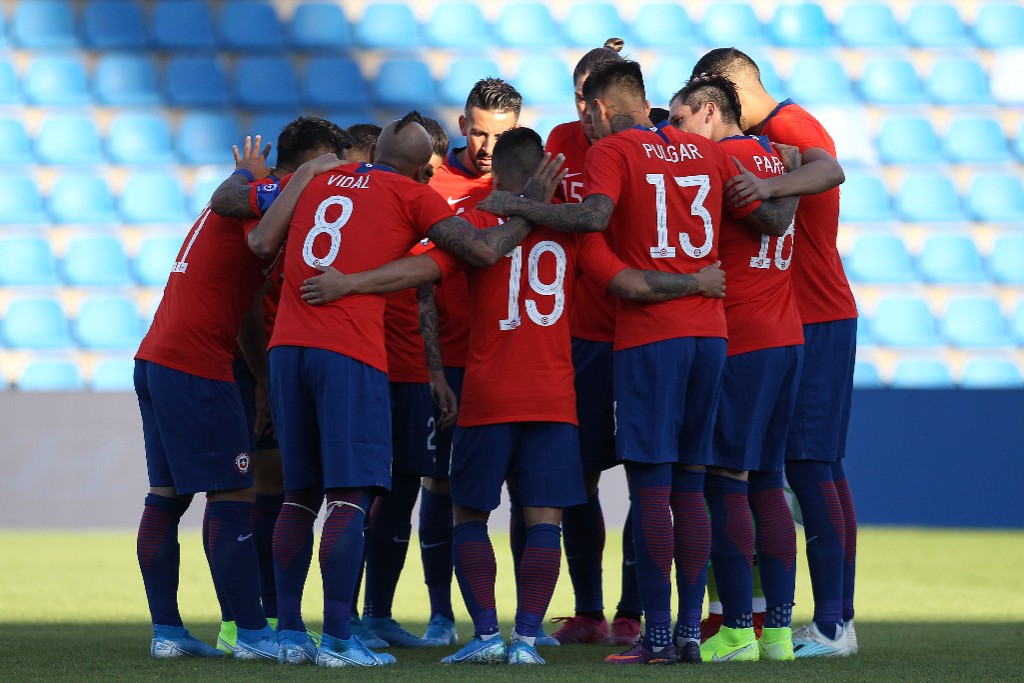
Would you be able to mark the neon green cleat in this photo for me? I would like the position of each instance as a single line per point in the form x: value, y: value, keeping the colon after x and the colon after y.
x: 273, y: 622
x: 227, y: 637
x: 730, y: 645
x: 776, y: 644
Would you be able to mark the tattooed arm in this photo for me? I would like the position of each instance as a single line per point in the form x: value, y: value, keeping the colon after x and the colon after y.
x: 231, y: 198
x: 774, y: 216
x: 478, y: 247
x: 655, y: 285
x: 590, y: 216
x: 442, y: 394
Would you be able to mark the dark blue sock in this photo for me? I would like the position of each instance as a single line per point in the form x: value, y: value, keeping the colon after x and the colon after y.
x: 264, y: 518
x: 825, y: 529
x: 850, y: 545
x: 732, y: 547
x: 629, y: 599
x: 650, y: 487
x: 341, y: 549
x: 159, y: 556
x: 388, y: 543
x: 692, y: 548
x: 293, y: 552
x: 362, y: 561
x: 436, y: 550
x: 516, y: 532
x: 235, y: 564
x: 584, y: 550
x: 222, y: 601
x: 538, y: 575
x: 775, y: 536
x: 475, y: 568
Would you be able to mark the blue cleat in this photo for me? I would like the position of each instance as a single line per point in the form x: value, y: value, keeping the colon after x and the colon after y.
x: 366, y: 635
x: 176, y: 641
x: 256, y: 644
x: 335, y: 653
x: 521, y: 652
x: 390, y: 631
x: 477, y: 651
x: 544, y: 640
x: 295, y: 647
x: 440, y: 631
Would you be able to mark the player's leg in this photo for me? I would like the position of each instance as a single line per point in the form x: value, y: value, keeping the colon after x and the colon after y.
x: 850, y: 546
x: 625, y: 626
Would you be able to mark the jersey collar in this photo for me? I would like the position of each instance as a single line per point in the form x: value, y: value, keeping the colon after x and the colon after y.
x: 761, y: 139
x: 453, y: 161
x: 366, y: 168
x: 784, y: 103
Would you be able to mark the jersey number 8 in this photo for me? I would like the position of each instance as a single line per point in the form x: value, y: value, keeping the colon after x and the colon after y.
x: 553, y: 289
x: 333, y: 228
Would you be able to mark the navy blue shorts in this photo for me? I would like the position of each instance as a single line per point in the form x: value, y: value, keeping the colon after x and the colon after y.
x: 594, y: 400
x: 194, y: 430
x: 443, y: 452
x: 413, y: 429
x: 666, y: 397
x: 333, y: 419
x: 822, y: 415
x: 755, y: 409
x: 266, y: 441
x: 540, y: 459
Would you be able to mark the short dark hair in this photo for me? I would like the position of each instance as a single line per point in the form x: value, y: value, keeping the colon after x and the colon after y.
x: 658, y: 115
x: 438, y: 136
x: 724, y: 60
x: 308, y: 133
x: 364, y: 136
x: 494, y: 94
x: 412, y: 117
x: 712, y: 88
x: 625, y: 75
x: 609, y: 52
x: 517, y: 154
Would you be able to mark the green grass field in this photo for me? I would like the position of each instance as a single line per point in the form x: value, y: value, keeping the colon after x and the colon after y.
x: 932, y: 605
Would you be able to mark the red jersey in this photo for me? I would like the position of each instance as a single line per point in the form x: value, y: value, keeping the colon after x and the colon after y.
x: 822, y: 290
x: 407, y: 360
x: 593, y: 316
x: 355, y: 217
x: 667, y: 189
x: 272, y: 298
x: 760, y: 307
x: 520, y: 354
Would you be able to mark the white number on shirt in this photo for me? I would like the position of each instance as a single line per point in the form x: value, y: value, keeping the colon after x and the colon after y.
x: 431, y: 446
x: 553, y: 289
x: 762, y: 259
x: 322, y: 227
x: 703, y: 185
x: 181, y: 265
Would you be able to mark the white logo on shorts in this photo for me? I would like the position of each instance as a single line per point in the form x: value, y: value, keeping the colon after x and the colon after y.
x: 242, y: 463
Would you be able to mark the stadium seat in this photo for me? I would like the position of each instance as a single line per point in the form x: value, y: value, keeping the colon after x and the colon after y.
x: 335, y: 82
x: 936, y: 24
x: 277, y: 86
x: 865, y: 376
x: 1004, y: 77
x: 543, y: 80
x: 527, y: 24
x: 202, y: 189
x: 108, y: 322
x: 999, y: 25
x: 156, y: 255
x: 890, y: 80
x: 319, y: 26
x: 1017, y: 323
x: 921, y: 373
x: 250, y: 25
x: 15, y: 147
x: 990, y: 373
x: 457, y: 25
x: 1006, y: 262
x: 404, y: 83
x: 44, y: 24
x: 113, y: 374
x: 82, y: 199
x: 670, y: 74
x: 869, y: 24
x: 904, y: 321
x: 68, y: 139
x: 56, y: 80
x: 139, y: 206
x: 928, y: 196
x: 349, y: 116
x: 996, y: 197
x: 1018, y: 141
x: 50, y: 375
x: 975, y: 321
x: 139, y: 138
x: 267, y: 124
x: 662, y: 24
x: 877, y: 258
x: 388, y: 25
x: 864, y: 199
x: 95, y: 260
x: 23, y: 205
x: 122, y: 80
x: 113, y: 25
x: 590, y: 24
x: 732, y: 23
x: 908, y: 139
x: 26, y: 260
x: 950, y: 258
x: 207, y: 137
x: 801, y: 25
x: 463, y: 73
x: 10, y: 89
x: 821, y: 80
x: 976, y: 140
x: 35, y: 323
x: 182, y: 25
x: 196, y: 82
x: 958, y: 80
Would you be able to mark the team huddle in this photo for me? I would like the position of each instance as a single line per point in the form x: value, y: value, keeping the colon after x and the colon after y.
x: 377, y: 320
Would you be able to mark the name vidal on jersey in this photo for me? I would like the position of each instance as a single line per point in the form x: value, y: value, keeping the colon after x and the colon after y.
x: 674, y: 154
x: 355, y: 182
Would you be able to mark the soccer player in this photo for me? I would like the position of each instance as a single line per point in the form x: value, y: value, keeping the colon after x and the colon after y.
x: 669, y: 356
x: 762, y: 372
x: 817, y: 438
x: 364, y: 137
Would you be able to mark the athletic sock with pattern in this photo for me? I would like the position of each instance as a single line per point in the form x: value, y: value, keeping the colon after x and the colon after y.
x: 475, y: 568
x: 264, y: 518
x: 387, y: 544
x: 630, y: 605
x: 775, y: 536
x: 293, y: 552
x: 732, y: 547
x: 234, y: 561
x: 516, y: 532
x: 850, y: 545
x: 538, y: 575
x: 650, y: 488
x: 222, y: 601
x: 692, y: 548
x: 584, y: 549
x: 341, y: 549
x: 160, y: 555
x: 436, y: 550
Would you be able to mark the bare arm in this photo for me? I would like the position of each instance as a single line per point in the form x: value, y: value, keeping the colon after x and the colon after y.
x: 332, y: 284
x: 655, y: 285
x: 231, y: 198
x: 479, y: 248
x: 590, y: 216
x: 818, y: 172
x: 252, y: 340
x: 442, y: 394
x: 773, y: 216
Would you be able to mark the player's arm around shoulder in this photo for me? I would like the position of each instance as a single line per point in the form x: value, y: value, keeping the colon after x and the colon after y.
x: 772, y: 215
x: 651, y: 286
x: 811, y: 171
x: 331, y: 284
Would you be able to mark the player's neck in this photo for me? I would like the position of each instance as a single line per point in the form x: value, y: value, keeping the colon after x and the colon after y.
x: 726, y: 130
x: 757, y: 107
x: 467, y: 163
x: 281, y: 171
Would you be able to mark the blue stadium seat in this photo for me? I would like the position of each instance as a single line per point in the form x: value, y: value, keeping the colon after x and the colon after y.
x: 122, y: 80
x: 1018, y: 141
x: 153, y: 197
x: 108, y: 322
x: 114, y: 374
x: 26, y: 260
x: 277, y: 85
x: 1004, y: 77
x: 157, y: 254
x: 1006, y: 262
x: 140, y: 138
x: 113, y: 25
x: 527, y: 24
x: 950, y: 258
x: 35, y: 323
x: 347, y: 117
x: 670, y: 74
x: 908, y: 139
x: 820, y: 80
x: 878, y: 258
x: 975, y: 321
x: 999, y: 25
x: 936, y: 24
x: 82, y: 199
x: 319, y: 26
x: 922, y: 373
x: 996, y: 197
x: 23, y: 205
x: 56, y: 80
x: 404, y: 83
x: 96, y: 260
x: 904, y: 321
x: 590, y: 24
x: 928, y: 196
x: 869, y: 24
x: 800, y: 24
x: 335, y: 82
x: 250, y: 25
x: 1017, y: 323
x: 196, y: 82
x: 864, y: 199
x: 388, y: 25
x: 462, y: 75
x: 182, y: 25
x: 50, y: 375
x: 44, y: 24
x: 15, y: 147
x: 202, y: 189
x: 732, y: 23
x: 890, y: 80
x: 976, y: 140
x: 543, y: 80
x: 865, y: 376
x: 207, y: 137
x: 267, y: 124
x: 990, y: 373
x: 457, y: 25
x: 662, y: 24
x: 10, y: 89
x: 958, y: 80
x: 68, y: 139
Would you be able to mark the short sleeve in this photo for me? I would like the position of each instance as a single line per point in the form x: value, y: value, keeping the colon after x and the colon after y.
x: 604, y: 171
x: 427, y: 208
x: 596, y: 261
x: 799, y: 131
x: 262, y: 195
x: 448, y: 263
